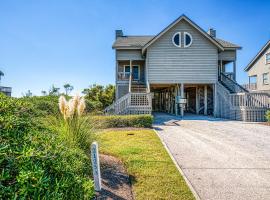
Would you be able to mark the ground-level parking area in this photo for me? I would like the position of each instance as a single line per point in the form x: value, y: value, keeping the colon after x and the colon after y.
x: 221, y: 159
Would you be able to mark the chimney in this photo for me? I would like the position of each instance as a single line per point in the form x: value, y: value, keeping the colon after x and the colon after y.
x: 212, y: 32
x: 118, y: 33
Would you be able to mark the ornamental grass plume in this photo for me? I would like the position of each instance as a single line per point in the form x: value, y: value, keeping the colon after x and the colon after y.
x: 81, y: 106
x: 62, y: 105
x: 76, y: 125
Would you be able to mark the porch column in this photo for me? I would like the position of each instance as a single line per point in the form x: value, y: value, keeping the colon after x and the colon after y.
x: 197, y: 100
x: 130, y: 75
x: 182, y: 96
x: 215, y: 99
x: 234, y: 70
x: 205, y: 99
x: 175, y: 96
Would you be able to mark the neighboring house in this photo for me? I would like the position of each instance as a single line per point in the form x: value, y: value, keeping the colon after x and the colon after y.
x: 182, y: 69
x: 259, y: 70
x: 5, y: 90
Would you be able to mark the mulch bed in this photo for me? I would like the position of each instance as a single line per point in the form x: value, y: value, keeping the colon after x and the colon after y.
x: 115, y: 180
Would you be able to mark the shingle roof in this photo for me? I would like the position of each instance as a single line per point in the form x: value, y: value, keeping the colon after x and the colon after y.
x: 226, y: 44
x: 132, y: 41
x: 140, y: 41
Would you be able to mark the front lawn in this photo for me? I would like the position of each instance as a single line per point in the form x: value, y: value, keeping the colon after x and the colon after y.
x: 153, y: 173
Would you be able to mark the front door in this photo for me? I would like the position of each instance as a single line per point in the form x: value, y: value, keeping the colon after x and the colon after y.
x: 135, y: 72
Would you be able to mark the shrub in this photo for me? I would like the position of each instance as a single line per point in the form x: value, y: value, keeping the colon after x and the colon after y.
x: 44, y: 105
x: 268, y: 115
x: 35, y: 163
x: 113, y: 121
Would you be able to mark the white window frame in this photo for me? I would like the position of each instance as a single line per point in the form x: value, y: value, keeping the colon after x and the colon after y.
x: 267, y: 60
x: 191, y: 39
x: 180, y: 39
x: 265, y: 79
x: 139, y: 70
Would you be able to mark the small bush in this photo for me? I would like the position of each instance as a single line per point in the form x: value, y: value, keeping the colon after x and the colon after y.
x: 267, y: 116
x: 114, y: 121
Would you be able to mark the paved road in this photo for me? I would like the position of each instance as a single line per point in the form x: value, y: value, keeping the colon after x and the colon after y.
x: 221, y: 159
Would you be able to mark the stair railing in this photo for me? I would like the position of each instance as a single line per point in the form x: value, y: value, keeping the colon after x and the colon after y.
x: 232, y: 85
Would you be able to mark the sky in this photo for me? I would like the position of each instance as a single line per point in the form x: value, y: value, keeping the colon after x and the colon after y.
x: 45, y: 42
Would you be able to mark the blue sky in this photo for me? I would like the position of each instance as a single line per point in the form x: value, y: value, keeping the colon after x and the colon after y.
x: 69, y: 41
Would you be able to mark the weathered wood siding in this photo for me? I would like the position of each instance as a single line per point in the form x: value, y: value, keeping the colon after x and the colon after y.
x: 167, y: 63
x: 228, y: 55
x: 129, y: 55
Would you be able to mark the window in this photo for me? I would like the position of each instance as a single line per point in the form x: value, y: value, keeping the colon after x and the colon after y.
x: 126, y: 70
x: 267, y: 58
x: 265, y: 78
x: 135, y: 71
x: 187, y: 39
x: 176, y: 39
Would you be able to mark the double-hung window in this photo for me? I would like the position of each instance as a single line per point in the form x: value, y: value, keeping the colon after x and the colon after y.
x: 265, y: 78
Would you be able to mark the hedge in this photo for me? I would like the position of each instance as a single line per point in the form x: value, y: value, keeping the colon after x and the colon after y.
x: 115, y: 121
x: 35, y: 163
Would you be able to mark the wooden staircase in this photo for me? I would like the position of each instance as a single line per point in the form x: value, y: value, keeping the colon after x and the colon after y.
x: 237, y: 103
x: 138, y: 88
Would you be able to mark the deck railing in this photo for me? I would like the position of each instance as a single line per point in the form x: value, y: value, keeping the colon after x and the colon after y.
x: 131, y: 103
x: 250, y: 86
x: 242, y: 106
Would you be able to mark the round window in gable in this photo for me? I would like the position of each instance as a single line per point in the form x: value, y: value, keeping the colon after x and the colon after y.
x: 187, y: 39
x: 176, y: 39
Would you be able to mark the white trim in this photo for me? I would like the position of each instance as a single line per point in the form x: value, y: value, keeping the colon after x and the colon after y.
x: 265, y: 80
x: 180, y: 39
x: 267, y: 62
x: 191, y: 40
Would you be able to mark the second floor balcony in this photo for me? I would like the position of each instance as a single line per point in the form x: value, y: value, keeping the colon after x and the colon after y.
x: 6, y: 90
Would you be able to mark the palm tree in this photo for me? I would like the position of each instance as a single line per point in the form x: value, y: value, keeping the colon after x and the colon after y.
x: 68, y: 88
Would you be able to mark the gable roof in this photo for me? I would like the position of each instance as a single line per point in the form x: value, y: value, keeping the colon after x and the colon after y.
x: 264, y: 48
x: 183, y: 17
x: 137, y: 42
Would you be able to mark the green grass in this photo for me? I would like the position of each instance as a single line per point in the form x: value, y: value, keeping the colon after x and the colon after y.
x: 153, y: 173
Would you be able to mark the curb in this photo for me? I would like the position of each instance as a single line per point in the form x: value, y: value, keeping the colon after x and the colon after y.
x: 194, y: 192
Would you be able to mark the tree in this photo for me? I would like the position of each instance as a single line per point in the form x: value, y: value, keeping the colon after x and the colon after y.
x: 68, y: 88
x: 28, y: 94
x: 54, y: 91
x: 43, y: 92
x: 99, y: 95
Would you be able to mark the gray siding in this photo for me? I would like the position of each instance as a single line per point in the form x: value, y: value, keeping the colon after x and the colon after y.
x: 228, y: 55
x: 129, y: 55
x: 167, y: 63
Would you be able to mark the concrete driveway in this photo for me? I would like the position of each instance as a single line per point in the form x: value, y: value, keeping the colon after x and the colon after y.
x: 221, y: 159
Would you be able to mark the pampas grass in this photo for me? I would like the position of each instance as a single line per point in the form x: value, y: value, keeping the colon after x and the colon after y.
x: 74, y: 125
